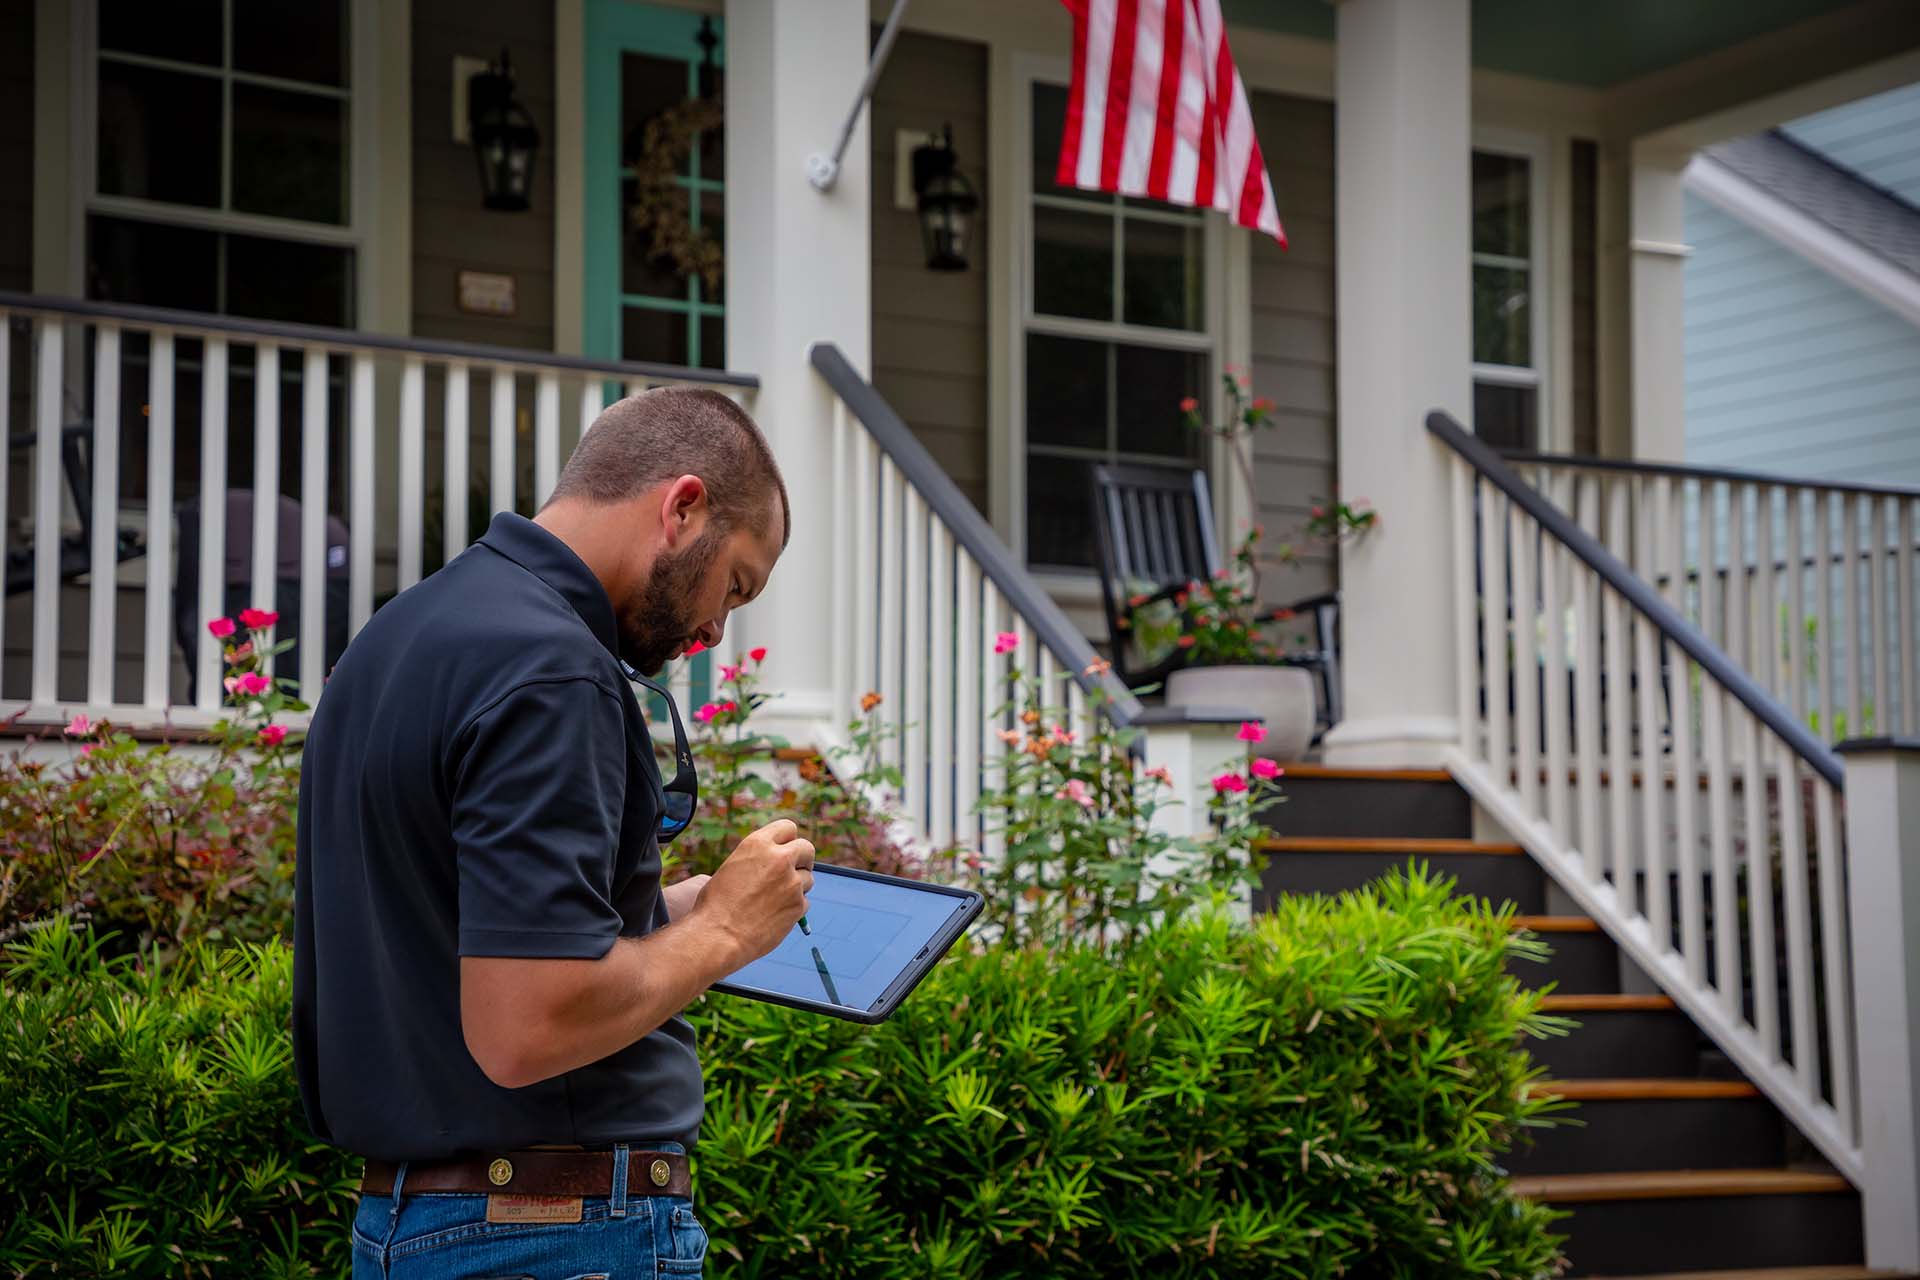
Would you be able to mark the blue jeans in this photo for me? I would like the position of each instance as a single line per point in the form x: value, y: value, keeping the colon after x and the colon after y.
x: 442, y: 1237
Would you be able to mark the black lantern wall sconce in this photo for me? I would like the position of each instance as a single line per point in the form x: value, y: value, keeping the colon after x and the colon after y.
x: 947, y: 204
x: 505, y: 141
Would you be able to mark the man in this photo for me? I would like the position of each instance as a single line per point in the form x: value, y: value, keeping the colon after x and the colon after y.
x: 488, y: 975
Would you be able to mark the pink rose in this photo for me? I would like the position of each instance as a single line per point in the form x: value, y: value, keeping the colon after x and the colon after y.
x: 1189, y: 404
x: 1229, y: 782
x: 1006, y: 642
x: 232, y: 683
x: 221, y: 628
x: 729, y: 673
x: 257, y: 619
x: 1161, y: 774
x: 253, y: 684
x: 1252, y: 731
x: 79, y: 727
x: 273, y: 735
x: 1265, y: 768
x: 706, y: 713
x: 1076, y: 791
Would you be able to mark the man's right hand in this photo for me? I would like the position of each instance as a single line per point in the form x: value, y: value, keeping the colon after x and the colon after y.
x: 760, y: 891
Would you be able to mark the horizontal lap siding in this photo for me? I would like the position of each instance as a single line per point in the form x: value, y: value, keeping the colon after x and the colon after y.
x: 1789, y: 369
x: 930, y: 327
x: 1293, y: 334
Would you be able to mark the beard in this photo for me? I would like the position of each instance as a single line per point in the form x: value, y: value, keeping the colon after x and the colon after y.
x: 658, y: 620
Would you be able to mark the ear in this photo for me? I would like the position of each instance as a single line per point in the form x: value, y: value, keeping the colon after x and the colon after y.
x: 683, y: 510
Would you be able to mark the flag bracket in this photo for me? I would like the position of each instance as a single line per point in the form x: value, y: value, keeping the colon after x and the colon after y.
x: 823, y: 171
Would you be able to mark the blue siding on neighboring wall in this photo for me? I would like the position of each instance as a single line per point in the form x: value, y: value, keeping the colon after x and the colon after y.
x: 1878, y: 138
x: 1788, y: 368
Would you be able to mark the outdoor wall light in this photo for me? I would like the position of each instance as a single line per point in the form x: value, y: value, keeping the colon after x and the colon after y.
x: 947, y: 204
x: 504, y: 139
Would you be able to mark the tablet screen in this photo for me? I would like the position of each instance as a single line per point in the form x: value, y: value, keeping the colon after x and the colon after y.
x: 865, y: 933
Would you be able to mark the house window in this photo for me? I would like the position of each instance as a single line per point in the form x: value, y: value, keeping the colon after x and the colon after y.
x: 1507, y: 313
x: 1115, y: 335
x: 221, y: 173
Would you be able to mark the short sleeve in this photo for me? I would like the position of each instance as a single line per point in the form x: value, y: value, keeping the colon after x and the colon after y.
x: 538, y: 795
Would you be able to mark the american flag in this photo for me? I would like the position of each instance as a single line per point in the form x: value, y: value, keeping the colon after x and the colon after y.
x: 1157, y: 109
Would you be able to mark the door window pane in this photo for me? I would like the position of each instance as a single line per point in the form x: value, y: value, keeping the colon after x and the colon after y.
x: 1163, y: 274
x: 180, y: 30
x: 1506, y: 417
x: 642, y: 270
x: 1500, y: 215
x: 1150, y: 382
x: 153, y: 264
x: 1066, y: 392
x: 289, y: 280
x: 658, y: 336
x: 713, y: 342
x: 289, y: 154
x: 1059, y: 511
x: 1502, y: 316
x: 648, y: 86
x: 303, y: 41
x: 159, y: 135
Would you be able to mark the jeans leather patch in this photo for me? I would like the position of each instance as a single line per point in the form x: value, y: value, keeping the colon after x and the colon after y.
x: 503, y: 1208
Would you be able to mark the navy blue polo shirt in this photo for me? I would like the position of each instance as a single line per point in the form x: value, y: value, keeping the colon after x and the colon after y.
x: 478, y: 781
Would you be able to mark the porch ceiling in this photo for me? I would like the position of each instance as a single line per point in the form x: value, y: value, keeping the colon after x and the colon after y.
x: 1573, y: 41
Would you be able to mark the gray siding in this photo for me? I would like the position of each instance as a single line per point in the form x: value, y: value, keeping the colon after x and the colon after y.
x: 1293, y: 334
x: 1790, y: 370
x: 930, y: 327
x: 450, y: 229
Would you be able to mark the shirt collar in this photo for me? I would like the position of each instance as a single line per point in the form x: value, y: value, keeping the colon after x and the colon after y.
x: 554, y: 563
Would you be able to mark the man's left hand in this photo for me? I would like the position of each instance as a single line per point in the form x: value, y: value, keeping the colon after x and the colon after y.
x: 682, y: 895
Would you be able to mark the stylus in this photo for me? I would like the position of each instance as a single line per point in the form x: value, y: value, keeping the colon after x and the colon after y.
x: 826, y: 979
x: 804, y: 928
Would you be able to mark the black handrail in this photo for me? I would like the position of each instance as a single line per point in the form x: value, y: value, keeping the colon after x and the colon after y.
x: 1519, y: 457
x: 1640, y: 594
x: 972, y: 531
x: 313, y: 335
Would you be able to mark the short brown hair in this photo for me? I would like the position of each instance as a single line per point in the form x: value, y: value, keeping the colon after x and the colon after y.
x: 660, y: 435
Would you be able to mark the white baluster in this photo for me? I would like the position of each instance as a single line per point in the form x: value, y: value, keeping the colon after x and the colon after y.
x: 1465, y: 624
x: 940, y: 680
x: 1851, y: 629
x: 105, y: 562
x: 546, y: 437
x: 361, y: 531
x: 1687, y: 762
x: 313, y: 526
x: 1587, y: 708
x: 1766, y: 596
x: 413, y: 467
x: 892, y: 611
x: 591, y: 391
x: 6, y: 434
x: 1799, y: 921
x: 866, y: 580
x: 213, y: 519
x: 159, y: 667
x: 1619, y: 668
x: 913, y: 710
x: 1796, y: 623
x: 969, y: 748
x: 500, y: 429
x: 1726, y: 919
x: 47, y: 389
x: 1649, y: 501
x: 841, y: 561
x: 1835, y: 952
x: 1766, y: 991
x: 993, y: 841
x: 263, y: 587
x: 1499, y: 634
x: 1527, y: 673
x: 1739, y: 621
x: 1904, y: 607
x: 1877, y: 601
x: 1826, y: 690
x: 456, y: 435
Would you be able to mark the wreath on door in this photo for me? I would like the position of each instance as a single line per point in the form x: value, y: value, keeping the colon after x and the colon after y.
x: 660, y: 208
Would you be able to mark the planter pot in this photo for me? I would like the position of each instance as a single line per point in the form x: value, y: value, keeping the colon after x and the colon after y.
x: 1279, y: 697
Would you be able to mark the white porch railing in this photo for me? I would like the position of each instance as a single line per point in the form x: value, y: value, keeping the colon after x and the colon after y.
x: 1808, y: 586
x: 362, y: 433
x: 927, y: 587
x: 1692, y: 815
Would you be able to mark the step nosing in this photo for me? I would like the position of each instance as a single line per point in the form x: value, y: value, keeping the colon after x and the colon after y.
x: 1647, y: 1089
x: 1574, y: 1002
x: 1678, y: 1184
x: 1410, y: 845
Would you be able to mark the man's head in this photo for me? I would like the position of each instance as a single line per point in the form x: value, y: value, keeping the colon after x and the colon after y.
x: 674, y: 501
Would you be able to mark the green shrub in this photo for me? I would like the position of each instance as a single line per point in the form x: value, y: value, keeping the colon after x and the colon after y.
x: 1328, y: 1092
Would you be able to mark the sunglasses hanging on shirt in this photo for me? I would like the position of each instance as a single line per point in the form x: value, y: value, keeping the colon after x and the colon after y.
x: 683, y: 792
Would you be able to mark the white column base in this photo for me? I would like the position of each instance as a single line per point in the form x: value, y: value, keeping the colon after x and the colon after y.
x: 1397, y: 742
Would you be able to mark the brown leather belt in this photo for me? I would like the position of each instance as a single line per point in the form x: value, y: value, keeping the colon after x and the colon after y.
x: 535, y: 1173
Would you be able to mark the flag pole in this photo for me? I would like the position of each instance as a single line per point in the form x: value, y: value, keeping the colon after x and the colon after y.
x: 824, y: 171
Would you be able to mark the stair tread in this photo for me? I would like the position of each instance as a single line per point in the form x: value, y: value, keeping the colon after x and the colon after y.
x: 1556, y: 924
x: 1362, y: 773
x: 1777, y: 1273
x: 1384, y: 844
x: 1634, y: 1089
x: 1606, y: 1004
x: 1677, y: 1184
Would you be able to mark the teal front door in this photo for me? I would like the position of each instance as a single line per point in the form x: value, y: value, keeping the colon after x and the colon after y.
x: 655, y: 189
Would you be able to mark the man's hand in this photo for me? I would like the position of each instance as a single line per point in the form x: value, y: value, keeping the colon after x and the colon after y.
x: 760, y: 891
x: 682, y: 896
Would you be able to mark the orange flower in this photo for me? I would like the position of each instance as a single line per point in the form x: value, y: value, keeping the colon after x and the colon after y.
x: 869, y: 701
x: 1029, y: 716
x: 1098, y: 667
x: 1185, y: 642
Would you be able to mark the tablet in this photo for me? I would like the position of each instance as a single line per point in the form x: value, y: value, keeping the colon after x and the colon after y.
x: 874, y: 937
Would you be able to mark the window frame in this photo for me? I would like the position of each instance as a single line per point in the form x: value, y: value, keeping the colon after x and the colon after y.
x: 1541, y: 264
x: 1009, y: 479
x: 361, y: 95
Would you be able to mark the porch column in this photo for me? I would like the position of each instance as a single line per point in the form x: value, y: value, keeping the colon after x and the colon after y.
x: 1657, y: 258
x: 1402, y: 165
x: 797, y: 273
